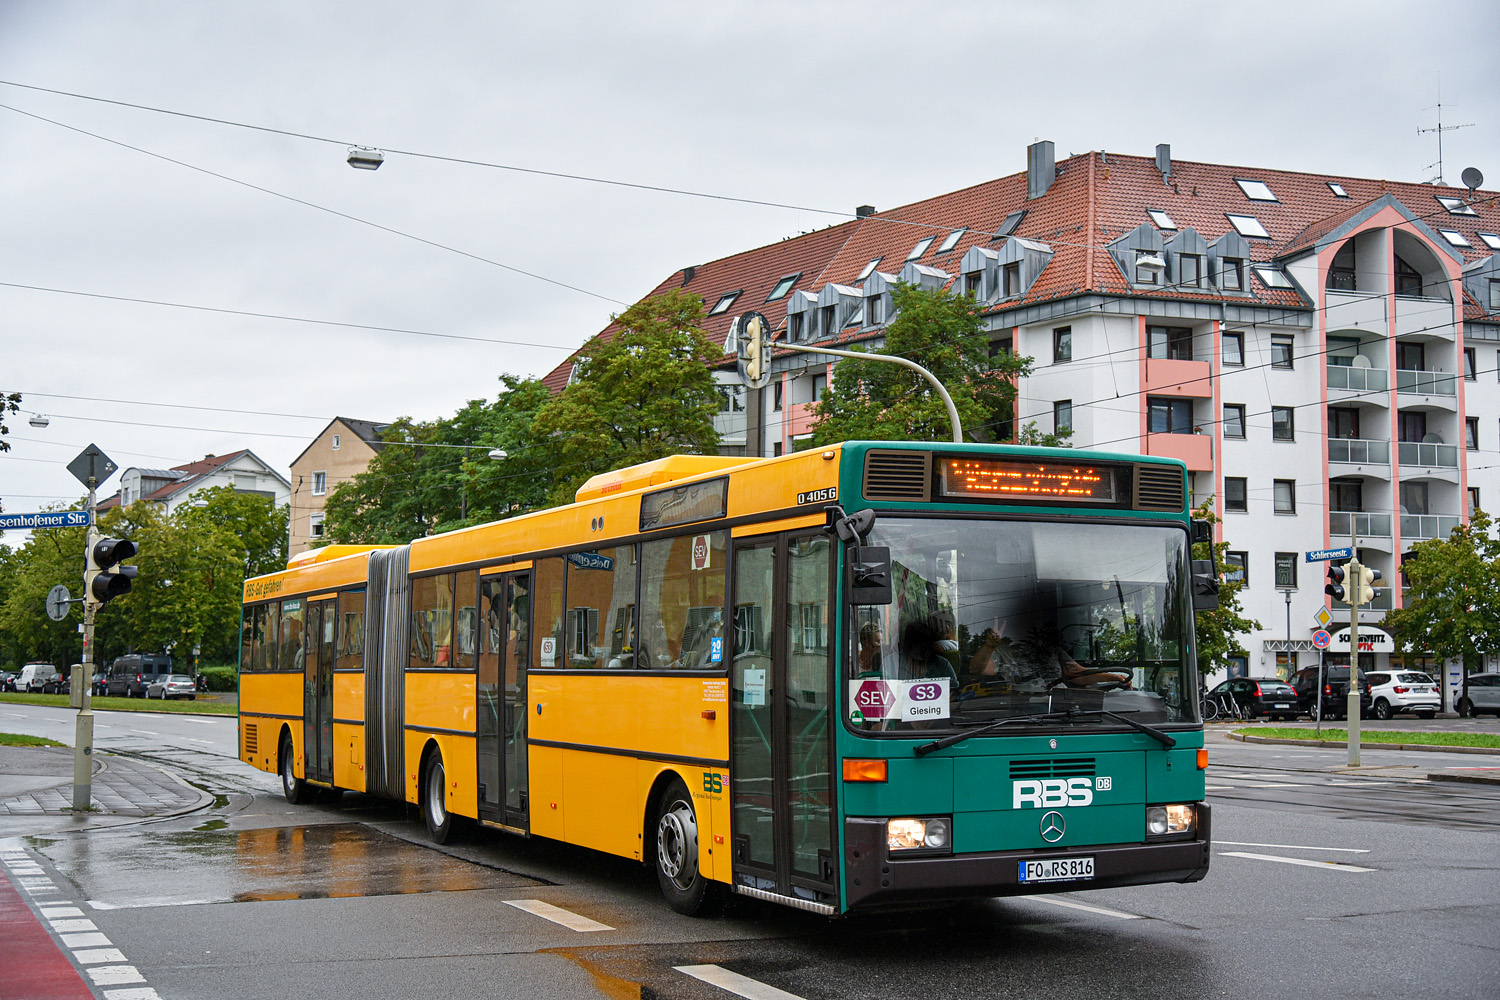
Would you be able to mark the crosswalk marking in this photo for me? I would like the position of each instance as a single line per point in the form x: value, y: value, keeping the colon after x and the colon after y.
x: 558, y: 915
x: 1295, y: 847
x: 733, y: 982
x: 1326, y: 865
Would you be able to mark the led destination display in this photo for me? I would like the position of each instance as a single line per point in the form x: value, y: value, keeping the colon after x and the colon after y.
x: 1007, y: 479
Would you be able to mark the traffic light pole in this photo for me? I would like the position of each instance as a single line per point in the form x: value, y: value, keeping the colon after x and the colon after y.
x: 958, y: 431
x: 1351, y: 704
x: 83, y: 738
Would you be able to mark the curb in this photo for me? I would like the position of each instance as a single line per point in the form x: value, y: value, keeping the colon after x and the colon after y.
x: 1467, y: 779
x: 1424, y: 747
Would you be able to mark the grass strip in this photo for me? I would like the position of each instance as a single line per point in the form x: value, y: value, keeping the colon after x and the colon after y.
x: 1379, y: 736
x: 199, y: 707
x: 21, y: 740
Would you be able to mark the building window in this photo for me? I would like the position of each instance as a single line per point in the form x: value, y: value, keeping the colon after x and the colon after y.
x: 1232, y: 274
x: 974, y: 284
x: 828, y: 320
x: 1172, y: 342
x: 1346, y: 495
x: 1147, y: 275
x: 724, y: 303
x: 1469, y: 363
x: 1414, y: 498
x: 1286, y: 570
x: 794, y: 327
x: 1189, y: 270
x: 1474, y: 500
x: 1281, y: 351
x: 320, y: 483
x: 1343, y: 272
x: 1062, y: 415
x: 1408, y: 279
x: 819, y: 386
x: 783, y: 286
x: 1237, y: 568
x: 876, y: 308
x: 776, y: 391
x: 1286, y: 496
x: 1454, y: 237
x: 1455, y: 206
x: 1161, y: 219
x: 776, y: 450
x: 1337, y: 189
x: 869, y: 270
x: 1234, y: 420
x: 1169, y: 415
x: 1283, y: 423
x: 1010, y: 279
x: 951, y: 240
x: 1062, y: 344
x: 1495, y: 295
x: 921, y: 248
x: 1255, y: 190
x: 1012, y: 221
x: 336, y: 440
x: 1248, y: 226
x: 1343, y: 422
x: 315, y: 525
x: 1471, y: 433
x: 1235, y: 494
x: 1411, y: 357
x: 1233, y: 348
x: 1272, y: 277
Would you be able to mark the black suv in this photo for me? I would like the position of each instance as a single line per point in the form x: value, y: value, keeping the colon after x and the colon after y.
x: 1334, y: 703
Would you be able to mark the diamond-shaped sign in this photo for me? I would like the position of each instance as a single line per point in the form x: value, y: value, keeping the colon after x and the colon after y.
x: 1322, y: 617
x: 92, y: 464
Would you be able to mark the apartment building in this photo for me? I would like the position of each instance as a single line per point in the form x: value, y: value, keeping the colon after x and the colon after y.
x: 341, y: 451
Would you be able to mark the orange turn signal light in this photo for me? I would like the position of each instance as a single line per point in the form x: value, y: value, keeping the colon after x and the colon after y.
x: 865, y: 770
x: 1202, y: 759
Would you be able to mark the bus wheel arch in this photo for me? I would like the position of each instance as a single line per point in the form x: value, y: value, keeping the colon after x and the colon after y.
x: 432, y: 797
x: 292, y: 787
x: 672, y: 848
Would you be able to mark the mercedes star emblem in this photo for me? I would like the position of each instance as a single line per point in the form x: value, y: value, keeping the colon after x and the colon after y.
x: 1052, y: 826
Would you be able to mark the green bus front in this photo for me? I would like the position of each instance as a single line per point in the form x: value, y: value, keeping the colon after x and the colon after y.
x: 1018, y: 712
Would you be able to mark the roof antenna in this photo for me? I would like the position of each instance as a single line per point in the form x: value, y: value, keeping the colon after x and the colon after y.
x: 1440, y: 128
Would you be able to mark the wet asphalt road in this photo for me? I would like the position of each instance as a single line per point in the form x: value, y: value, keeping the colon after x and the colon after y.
x: 253, y: 897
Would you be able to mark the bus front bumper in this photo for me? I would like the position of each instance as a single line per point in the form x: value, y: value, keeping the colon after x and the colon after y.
x: 875, y: 879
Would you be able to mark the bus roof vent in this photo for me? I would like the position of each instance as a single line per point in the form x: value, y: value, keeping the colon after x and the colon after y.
x: 1158, y: 487
x: 898, y: 475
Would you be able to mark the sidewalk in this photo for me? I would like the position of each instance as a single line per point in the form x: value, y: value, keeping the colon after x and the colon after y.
x: 36, y: 791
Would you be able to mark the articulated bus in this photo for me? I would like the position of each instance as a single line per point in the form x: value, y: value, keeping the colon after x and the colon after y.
x: 873, y: 675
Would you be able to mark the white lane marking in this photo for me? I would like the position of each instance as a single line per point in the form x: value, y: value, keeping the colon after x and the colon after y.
x: 146, y: 731
x: 1327, y: 865
x: 1276, y: 784
x: 733, y: 982
x: 193, y: 739
x: 85, y: 940
x: 1357, y: 781
x: 1084, y: 906
x: 115, y: 975
x: 1219, y: 788
x: 97, y: 955
x: 133, y: 993
x: 558, y: 915
x: 1295, y: 847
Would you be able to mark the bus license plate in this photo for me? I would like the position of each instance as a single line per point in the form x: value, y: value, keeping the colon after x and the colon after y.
x: 1057, y: 870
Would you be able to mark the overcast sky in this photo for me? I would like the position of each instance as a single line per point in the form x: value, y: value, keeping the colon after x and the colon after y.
x: 815, y: 104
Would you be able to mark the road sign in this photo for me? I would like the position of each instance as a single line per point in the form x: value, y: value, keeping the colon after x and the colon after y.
x: 92, y: 464
x: 1324, y: 555
x: 1322, y: 618
x: 58, y: 600
x: 49, y: 519
x: 1321, y: 638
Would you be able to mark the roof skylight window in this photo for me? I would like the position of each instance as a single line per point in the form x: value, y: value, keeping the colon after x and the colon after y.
x: 1456, y: 206
x: 1256, y: 190
x: 1162, y: 219
x: 783, y: 286
x: 920, y: 248
x: 1011, y: 223
x: 1337, y: 189
x: 1454, y: 237
x: 1272, y: 277
x: 724, y: 303
x: 952, y: 240
x: 1491, y: 240
x: 1247, y: 225
x: 869, y: 269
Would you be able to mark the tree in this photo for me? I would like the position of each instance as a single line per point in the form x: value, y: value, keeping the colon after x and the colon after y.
x: 9, y: 403
x: 1218, y: 631
x: 254, y: 519
x: 50, y: 557
x: 1452, y: 604
x: 944, y: 333
x: 644, y: 394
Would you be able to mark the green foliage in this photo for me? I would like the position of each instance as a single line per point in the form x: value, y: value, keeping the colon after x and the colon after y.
x: 1056, y: 439
x: 642, y: 395
x: 1218, y: 632
x: 9, y: 403
x: 255, y: 519
x: 221, y: 678
x: 50, y: 557
x: 1452, y: 606
x: 879, y: 401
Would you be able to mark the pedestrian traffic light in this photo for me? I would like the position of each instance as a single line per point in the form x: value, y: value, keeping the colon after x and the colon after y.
x: 104, y: 579
x: 1364, y: 585
x: 1336, y: 577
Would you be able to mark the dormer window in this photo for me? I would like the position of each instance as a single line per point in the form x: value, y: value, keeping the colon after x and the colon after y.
x: 1189, y: 270
x: 869, y: 269
x: 783, y: 286
x: 828, y: 320
x: 974, y: 284
x: 876, y: 309
x: 856, y: 317
x: 1456, y: 206
x: 1161, y: 219
x: 1012, y: 221
x: 795, y: 330
x: 722, y: 306
x: 921, y: 248
x: 951, y: 241
x: 1491, y: 240
x: 1454, y: 237
x: 1248, y: 226
x: 1255, y: 191
x: 1232, y: 274
x: 1273, y: 277
x: 1337, y: 189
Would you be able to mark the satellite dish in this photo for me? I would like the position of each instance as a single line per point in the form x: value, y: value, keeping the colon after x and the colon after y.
x: 1472, y: 178
x: 1360, y: 361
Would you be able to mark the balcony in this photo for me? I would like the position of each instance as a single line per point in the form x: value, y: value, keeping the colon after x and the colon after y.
x: 1426, y: 383
x: 1432, y: 456
x: 1170, y: 377
x: 1359, y: 451
x: 1423, y: 317
x: 1367, y: 525
x: 1419, y: 527
x: 1358, y: 379
x: 1197, y: 450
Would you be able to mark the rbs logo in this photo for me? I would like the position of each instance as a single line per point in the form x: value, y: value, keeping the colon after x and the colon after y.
x: 1050, y: 793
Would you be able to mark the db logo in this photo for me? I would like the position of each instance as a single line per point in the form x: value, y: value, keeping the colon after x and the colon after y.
x: 925, y: 692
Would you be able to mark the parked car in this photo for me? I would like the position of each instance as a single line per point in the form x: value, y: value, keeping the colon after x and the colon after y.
x: 1333, y: 703
x: 172, y: 686
x: 1482, y: 694
x: 8, y: 680
x: 1403, y: 691
x: 101, y: 682
x: 1257, y: 696
x: 130, y: 674
x: 39, y: 678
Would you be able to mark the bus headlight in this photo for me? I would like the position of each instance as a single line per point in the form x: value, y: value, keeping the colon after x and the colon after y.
x: 933, y: 834
x: 1170, y: 821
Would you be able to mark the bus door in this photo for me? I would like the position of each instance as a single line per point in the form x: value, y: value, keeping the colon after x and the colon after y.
x: 781, y: 697
x: 504, y: 651
x: 317, y: 690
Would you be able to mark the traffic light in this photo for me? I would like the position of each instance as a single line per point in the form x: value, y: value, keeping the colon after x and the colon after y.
x: 753, y: 333
x: 1364, y: 585
x: 1336, y: 577
x: 105, y: 580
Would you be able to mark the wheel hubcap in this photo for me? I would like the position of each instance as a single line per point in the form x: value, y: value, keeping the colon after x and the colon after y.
x: 677, y: 844
x: 436, y: 808
x: 288, y: 776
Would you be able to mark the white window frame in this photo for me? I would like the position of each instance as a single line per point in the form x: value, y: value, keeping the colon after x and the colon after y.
x: 869, y: 270
x: 319, y: 484
x: 1454, y: 237
x: 315, y: 525
x: 725, y: 301
x: 337, y: 440
x: 1256, y: 190
x: 951, y: 240
x: 1455, y: 206
x: 1491, y: 240
x: 1161, y: 219
x: 1272, y: 277
x: 921, y: 248
x: 1337, y: 189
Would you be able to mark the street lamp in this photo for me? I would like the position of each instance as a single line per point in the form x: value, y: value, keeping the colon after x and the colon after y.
x: 39, y: 420
x: 364, y: 158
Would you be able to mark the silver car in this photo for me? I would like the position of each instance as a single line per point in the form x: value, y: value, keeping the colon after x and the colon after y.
x: 172, y: 686
x: 1481, y: 694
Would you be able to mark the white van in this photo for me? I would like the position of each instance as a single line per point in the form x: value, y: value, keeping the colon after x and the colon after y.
x: 39, y: 677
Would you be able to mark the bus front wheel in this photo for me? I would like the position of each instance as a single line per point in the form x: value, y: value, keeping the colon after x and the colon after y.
x: 686, y: 888
x: 293, y: 787
x: 435, y: 802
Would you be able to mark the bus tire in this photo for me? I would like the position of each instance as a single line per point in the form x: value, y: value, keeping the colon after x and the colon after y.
x: 675, y: 856
x: 434, y: 800
x: 293, y: 787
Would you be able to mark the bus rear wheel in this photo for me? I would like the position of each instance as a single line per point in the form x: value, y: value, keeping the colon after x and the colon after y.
x: 685, y: 887
x: 434, y: 801
x: 293, y: 787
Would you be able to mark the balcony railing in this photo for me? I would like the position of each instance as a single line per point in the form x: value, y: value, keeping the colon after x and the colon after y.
x: 1368, y: 525
x: 1418, y: 526
x: 1357, y: 379
x: 1359, y: 450
x: 1443, y: 456
x: 1426, y: 383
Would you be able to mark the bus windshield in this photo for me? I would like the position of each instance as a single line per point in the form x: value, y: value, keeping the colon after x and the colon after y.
x: 999, y: 619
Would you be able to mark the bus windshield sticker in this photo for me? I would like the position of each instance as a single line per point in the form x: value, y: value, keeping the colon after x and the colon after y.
x: 826, y: 495
x: 755, y: 687
x: 685, y: 504
x: 1007, y: 479
x: 912, y: 700
x: 700, y: 553
x: 549, y: 651
x: 716, y: 649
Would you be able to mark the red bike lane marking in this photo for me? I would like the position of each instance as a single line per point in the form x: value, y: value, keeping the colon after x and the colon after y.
x: 34, y: 968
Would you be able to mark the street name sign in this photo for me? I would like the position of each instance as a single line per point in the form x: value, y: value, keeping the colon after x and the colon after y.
x: 1324, y: 555
x: 49, y: 519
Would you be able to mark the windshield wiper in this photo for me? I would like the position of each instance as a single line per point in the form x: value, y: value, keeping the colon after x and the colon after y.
x: 1068, y: 716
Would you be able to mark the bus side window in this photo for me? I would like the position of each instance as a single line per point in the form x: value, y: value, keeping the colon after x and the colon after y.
x: 547, y: 602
